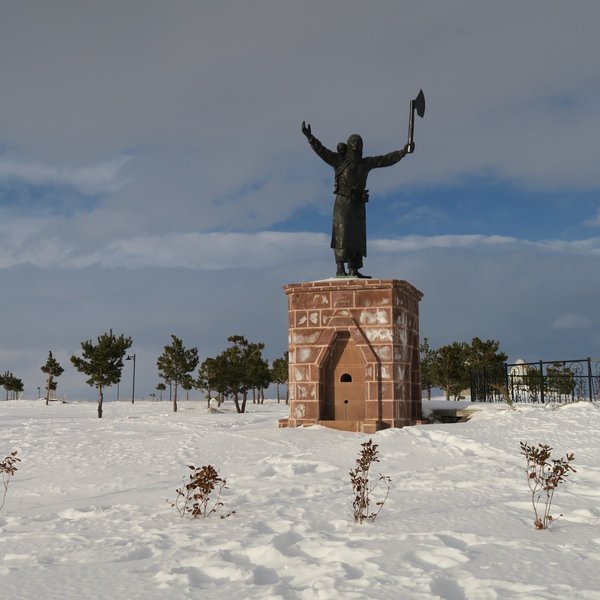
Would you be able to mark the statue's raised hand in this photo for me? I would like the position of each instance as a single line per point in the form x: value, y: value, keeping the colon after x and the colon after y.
x: 306, y: 130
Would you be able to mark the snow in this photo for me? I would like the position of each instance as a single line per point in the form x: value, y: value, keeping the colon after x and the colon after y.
x: 87, y: 514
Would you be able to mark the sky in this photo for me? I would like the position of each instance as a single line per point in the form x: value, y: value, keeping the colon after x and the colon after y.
x: 154, y: 178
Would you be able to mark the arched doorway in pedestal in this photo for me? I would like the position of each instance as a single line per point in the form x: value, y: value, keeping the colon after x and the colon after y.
x: 343, y: 380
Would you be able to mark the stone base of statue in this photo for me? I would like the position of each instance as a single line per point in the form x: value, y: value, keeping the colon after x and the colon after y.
x: 354, y: 354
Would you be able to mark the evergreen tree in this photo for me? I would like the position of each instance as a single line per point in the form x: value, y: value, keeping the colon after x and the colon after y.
x: 257, y: 372
x: 17, y: 386
x: 13, y: 385
x: 102, y: 362
x: 221, y: 375
x: 235, y: 371
x: 280, y: 374
x: 206, y: 380
x: 449, y: 368
x: 230, y: 374
x: 560, y: 380
x: 187, y: 383
x: 427, y: 357
x: 53, y: 369
x: 486, y: 354
x: 244, y: 368
x: 3, y: 381
x: 175, y: 363
x: 161, y: 387
x: 487, y: 370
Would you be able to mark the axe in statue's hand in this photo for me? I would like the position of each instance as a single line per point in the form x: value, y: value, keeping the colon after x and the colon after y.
x: 418, y: 104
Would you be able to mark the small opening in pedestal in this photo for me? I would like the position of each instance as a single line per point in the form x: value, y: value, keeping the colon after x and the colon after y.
x: 345, y: 378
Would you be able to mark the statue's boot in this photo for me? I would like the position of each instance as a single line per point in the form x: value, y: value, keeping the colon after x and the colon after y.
x: 341, y: 272
x: 355, y: 273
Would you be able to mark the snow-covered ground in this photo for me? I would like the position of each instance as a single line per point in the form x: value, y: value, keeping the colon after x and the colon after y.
x: 87, y: 513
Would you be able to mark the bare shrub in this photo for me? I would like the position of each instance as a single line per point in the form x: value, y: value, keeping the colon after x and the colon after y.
x: 8, y: 469
x: 503, y: 391
x: 544, y: 475
x: 196, y: 497
x: 361, y: 487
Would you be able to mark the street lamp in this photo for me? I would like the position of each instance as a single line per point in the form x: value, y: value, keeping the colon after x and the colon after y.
x: 132, y: 357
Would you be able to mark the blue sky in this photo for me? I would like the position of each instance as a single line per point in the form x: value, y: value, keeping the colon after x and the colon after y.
x: 473, y: 206
x: 154, y: 179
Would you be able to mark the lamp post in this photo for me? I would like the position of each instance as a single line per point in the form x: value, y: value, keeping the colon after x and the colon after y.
x: 132, y: 357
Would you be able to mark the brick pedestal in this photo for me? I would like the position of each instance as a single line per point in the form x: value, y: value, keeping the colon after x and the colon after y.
x: 354, y: 353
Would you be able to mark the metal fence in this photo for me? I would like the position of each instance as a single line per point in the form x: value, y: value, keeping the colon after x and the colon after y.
x: 538, y: 382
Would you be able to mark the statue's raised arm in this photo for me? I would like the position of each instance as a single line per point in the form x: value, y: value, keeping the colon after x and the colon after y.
x: 306, y: 130
x: 330, y: 157
x: 391, y: 158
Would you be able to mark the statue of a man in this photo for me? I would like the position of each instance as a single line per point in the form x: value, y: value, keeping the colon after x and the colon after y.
x: 349, y: 231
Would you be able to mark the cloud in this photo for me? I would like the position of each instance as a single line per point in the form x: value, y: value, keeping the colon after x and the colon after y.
x: 420, y: 213
x: 235, y: 250
x: 415, y: 243
x: 91, y: 179
x: 594, y: 221
x: 208, y: 251
x: 589, y: 247
x: 571, y: 321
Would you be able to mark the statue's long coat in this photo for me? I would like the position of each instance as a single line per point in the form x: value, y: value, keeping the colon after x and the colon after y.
x: 349, y: 229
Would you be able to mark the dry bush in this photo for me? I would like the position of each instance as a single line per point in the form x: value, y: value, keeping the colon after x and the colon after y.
x: 544, y: 475
x: 8, y: 469
x: 196, y: 497
x: 503, y: 391
x: 361, y: 487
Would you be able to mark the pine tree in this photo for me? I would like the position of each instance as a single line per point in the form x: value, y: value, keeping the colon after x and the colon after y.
x: 486, y: 354
x: 235, y: 371
x: 239, y: 363
x: 4, y: 381
x: 427, y: 357
x: 256, y: 371
x: 175, y: 363
x: 53, y: 369
x: 160, y: 387
x: 187, y: 383
x: 449, y: 369
x: 13, y: 385
x: 206, y: 379
x: 280, y: 374
x: 102, y: 362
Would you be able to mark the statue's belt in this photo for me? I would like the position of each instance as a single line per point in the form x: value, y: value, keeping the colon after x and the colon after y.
x: 353, y: 194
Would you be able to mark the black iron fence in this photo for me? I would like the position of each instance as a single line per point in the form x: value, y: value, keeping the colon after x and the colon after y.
x: 542, y: 382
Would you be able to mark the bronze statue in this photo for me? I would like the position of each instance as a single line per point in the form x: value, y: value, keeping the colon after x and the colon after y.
x: 349, y: 233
